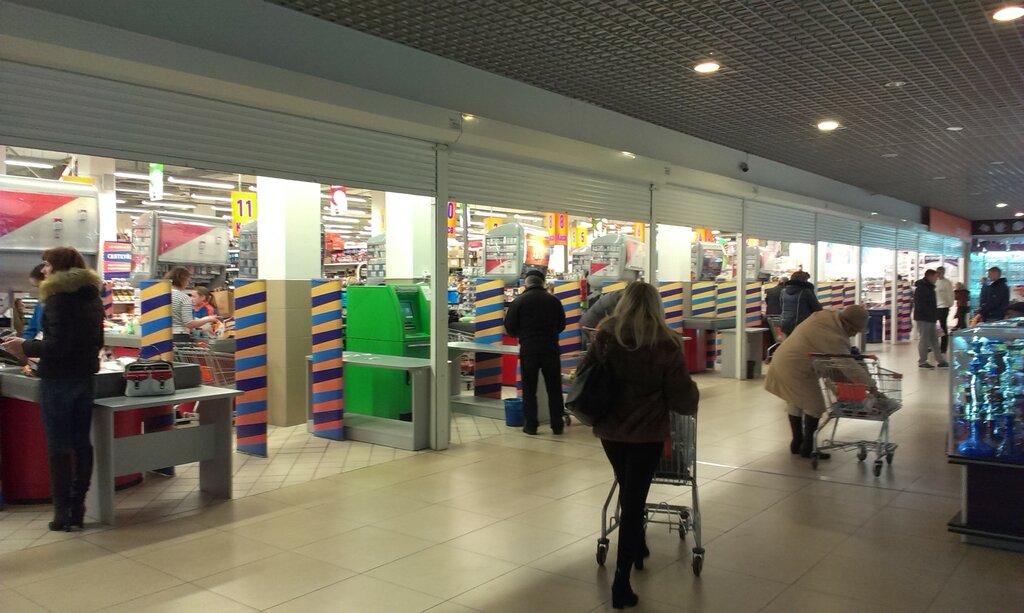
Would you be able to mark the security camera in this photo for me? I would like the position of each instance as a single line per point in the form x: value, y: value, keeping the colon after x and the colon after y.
x: 744, y: 166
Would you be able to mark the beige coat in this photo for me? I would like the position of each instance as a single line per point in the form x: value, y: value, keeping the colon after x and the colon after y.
x: 791, y: 376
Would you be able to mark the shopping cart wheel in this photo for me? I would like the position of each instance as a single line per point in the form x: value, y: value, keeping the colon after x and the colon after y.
x: 602, y: 551
x: 878, y: 468
x: 862, y: 453
x: 888, y: 457
x: 568, y: 420
x: 698, y: 563
x: 814, y: 460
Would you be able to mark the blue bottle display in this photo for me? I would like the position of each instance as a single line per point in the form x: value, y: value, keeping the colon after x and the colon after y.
x: 988, y: 392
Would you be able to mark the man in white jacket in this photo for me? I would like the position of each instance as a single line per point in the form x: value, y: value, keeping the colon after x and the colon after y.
x: 944, y: 299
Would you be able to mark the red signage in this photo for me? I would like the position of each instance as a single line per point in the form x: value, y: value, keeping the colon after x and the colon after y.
x: 942, y: 222
x: 117, y: 260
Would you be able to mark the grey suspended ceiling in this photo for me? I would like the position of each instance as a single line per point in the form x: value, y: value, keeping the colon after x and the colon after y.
x: 786, y: 65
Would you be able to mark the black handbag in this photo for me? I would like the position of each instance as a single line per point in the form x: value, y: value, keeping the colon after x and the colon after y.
x: 590, y: 394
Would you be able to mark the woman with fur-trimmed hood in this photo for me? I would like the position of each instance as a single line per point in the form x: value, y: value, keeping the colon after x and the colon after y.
x: 68, y: 358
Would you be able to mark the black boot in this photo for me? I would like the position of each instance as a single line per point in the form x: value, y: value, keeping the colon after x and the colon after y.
x: 622, y: 592
x: 79, y: 487
x: 60, y: 486
x: 642, y: 555
x: 797, y: 428
x: 810, y: 426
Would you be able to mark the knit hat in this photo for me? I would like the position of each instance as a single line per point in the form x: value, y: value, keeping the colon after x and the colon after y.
x: 534, y: 273
x: 855, y: 316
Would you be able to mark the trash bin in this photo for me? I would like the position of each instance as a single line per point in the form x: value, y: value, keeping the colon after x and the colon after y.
x: 513, y: 412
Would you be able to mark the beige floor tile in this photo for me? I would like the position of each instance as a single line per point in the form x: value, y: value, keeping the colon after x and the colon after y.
x: 904, y: 551
x: 897, y: 521
x: 98, y: 585
x: 578, y: 561
x: 771, y: 551
x: 715, y: 590
x: 764, y: 479
x: 137, y: 539
x: 13, y: 602
x: 437, y: 523
x: 646, y: 605
x: 274, y: 580
x: 925, y: 502
x: 744, y: 496
x: 233, y: 513
x: 37, y: 563
x: 497, y: 502
x: 368, y: 506
x: 451, y: 607
x: 443, y: 571
x: 296, y: 529
x: 528, y: 590
x: 796, y: 600
x: 513, y: 541
x: 180, y: 599
x: 434, y: 488
x: 203, y: 557
x: 892, y: 586
x: 563, y: 516
x: 358, y: 595
x: 364, y: 548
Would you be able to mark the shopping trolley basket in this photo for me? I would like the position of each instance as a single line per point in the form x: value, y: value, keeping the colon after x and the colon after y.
x: 678, y: 467
x: 856, y: 387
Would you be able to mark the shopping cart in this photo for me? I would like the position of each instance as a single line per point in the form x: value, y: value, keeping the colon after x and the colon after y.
x: 678, y: 467
x: 775, y: 325
x: 215, y: 368
x: 856, y: 387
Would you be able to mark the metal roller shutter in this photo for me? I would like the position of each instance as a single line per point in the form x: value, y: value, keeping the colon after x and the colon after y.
x: 882, y: 237
x: 833, y: 229
x: 687, y: 207
x: 72, y: 112
x: 907, y: 240
x: 774, y: 222
x: 931, y: 243
x: 479, y: 179
x: 954, y: 247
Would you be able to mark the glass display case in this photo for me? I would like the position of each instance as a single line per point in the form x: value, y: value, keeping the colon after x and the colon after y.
x: 987, y: 431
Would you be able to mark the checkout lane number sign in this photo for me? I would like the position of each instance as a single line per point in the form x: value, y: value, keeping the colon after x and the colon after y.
x: 243, y: 210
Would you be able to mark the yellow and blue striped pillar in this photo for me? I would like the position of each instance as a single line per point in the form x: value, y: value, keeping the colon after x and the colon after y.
x: 107, y: 296
x: 849, y: 293
x: 725, y: 306
x: 328, y: 370
x: 488, y: 323
x: 672, y: 301
x: 905, y: 293
x: 251, y: 366
x: 752, y: 304
x: 156, y: 321
x: 614, y: 287
x: 568, y: 293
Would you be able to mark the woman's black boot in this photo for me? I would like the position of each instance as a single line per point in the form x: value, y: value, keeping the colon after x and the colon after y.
x: 622, y: 592
x: 60, y: 485
x: 796, y: 426
x: 810, y: 427
x: 61, y: 518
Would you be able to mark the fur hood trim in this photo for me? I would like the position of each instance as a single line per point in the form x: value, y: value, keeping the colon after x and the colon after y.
x: 68, y: 282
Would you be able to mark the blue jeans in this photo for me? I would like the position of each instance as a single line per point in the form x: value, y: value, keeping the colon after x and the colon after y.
x: 66, y: 405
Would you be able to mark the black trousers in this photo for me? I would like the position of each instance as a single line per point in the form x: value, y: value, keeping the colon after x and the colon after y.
x: 634, y: 465
x: 66, y: 407
x: 550, y: 364
x: 961, y: 317
x: 943, y: 323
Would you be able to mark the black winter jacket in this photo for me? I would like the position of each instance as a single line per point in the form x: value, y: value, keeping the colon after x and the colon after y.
x: 536, y: 318
x: 72, y: 325
x: 773, y: 300
x: 995, y: 297
x: 925, y: 302
x: 799, y: 300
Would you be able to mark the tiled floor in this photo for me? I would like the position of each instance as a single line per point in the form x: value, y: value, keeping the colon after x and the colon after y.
x: 505, y: 522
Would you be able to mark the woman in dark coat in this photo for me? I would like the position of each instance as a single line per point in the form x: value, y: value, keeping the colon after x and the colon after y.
x: 799, y: 300
x: 68, y: 358
x: 646, y: 361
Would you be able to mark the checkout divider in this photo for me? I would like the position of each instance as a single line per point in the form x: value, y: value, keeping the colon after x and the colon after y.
x: 327, y: 400
x: 251, y: 367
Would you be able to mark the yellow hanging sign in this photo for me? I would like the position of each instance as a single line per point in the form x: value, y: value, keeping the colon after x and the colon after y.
x: 243, y: 210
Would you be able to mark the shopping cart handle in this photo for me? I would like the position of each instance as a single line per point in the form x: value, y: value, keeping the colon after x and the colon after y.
x: 859, y: 356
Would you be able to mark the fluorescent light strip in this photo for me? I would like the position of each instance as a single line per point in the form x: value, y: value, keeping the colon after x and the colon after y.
x: 195, y: 216
x: 201, y: 183
x: 120, y: 210
x: 119, y: 201
x: 221, y: 209
x: 170, y: 205
x: 341, y: 219
x: 347, y: 198
x: 480, y: 213
x: 132, y: 191
x: 132, y: 175
x: 210, y: 198
x: 27, y: 163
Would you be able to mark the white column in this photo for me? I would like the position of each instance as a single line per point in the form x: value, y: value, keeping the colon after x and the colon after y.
x: 288, y: 222
x: 858, y: 287
x: 101, y: 170
x: 377, y: 213
x: 440, y: 408
x: 410, y: 244
x: 893, y: 286
x: 3, y: 159
x: 741, y: 306
x: 672, y: 247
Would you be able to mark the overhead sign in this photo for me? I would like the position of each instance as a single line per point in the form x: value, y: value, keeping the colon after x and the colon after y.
x: 243, y: 210
x: 990, y: 227
x: 339, y: 200
x: 640, y: 231
x: 578, y: 238
x: 451, y: 218
x: 156, y: 181
x: 491, y: 223
x: 117, y: 260
x: 942, y: 222
x: 557, y: 225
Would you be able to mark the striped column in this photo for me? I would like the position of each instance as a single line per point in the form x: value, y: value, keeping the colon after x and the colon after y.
x: 703, y: 296
x: 752, y: 303
x: 488, y: 322
x: 614, y: 287
x: 569, y: 340
x: 849, y: 293
x: 725, y: 299
x: 905, y: 294
x: 672, y: 301
x: 107, y: 296
x: 328, y: 372
x: 251, y: 366
x: 156, y: 321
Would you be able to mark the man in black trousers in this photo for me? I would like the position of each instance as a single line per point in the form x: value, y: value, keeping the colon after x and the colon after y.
x: 536, y: 318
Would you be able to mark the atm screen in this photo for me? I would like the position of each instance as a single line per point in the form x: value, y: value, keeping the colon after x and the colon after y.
x: 406, y: 308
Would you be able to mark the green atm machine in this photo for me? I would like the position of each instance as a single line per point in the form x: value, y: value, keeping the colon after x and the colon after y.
x: 385, y: 320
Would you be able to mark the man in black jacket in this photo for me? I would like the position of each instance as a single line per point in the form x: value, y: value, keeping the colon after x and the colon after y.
x: 995, y: 296
x: 536, y: 318
x: 926, y: 314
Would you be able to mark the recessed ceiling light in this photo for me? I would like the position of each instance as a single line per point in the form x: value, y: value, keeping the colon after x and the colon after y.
x: 1009, y: 13
x: 954, y: 128
x: 873, y: 213
x: 468, y: 117
x: 939, y: 178
x: 120, y: 201
x: 27, y: 163
x: 903, y: 220
x: 890, y: 155
x: 828, y: 125
x: 895, y: 83
x: 629, y: 154
x: 132, y: 175
x: 1018, y: 214
x: 997, y: 163
x: 707, y: 67
x: 1001, y: 205
x: 201, y: 183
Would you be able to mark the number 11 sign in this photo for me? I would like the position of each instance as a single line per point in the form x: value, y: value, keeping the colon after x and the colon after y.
x: 243, y: 210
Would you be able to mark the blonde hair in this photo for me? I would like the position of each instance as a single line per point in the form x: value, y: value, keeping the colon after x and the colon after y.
x: 639, y: 319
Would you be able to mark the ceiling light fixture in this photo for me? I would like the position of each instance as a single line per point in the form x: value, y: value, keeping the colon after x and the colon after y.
x: 119, y: 201
x: 132, y: 175
x: 196, y: 196
x: 1001, y: 205
x: 939, y: 178
x: 1009, y: 13
x: 895, y: 83
x: 468, y: 117
x: 873, y: 213
x: 201, y: 183
x: 629, y: 155
x: 997, y: 163
x: 954, y: 128
x: 170, y: 205
x: 707, y: 67
x: 122, y: 210
x: 828, y: 125
x: 197, y: 216
x: 222, y: 209
x: 890, y: 155
x: 144, y: 192
x: 1018, y: 214
x: 27, y: 163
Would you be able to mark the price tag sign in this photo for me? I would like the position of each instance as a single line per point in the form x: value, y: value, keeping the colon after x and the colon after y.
x: 451, y: 218
x: 243, y: 210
